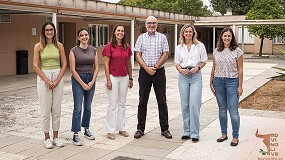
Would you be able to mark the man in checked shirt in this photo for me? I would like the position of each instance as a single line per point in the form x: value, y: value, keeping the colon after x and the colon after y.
x: 151, y: 51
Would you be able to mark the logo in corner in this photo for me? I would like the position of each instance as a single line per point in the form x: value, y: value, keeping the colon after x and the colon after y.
x: 271, y: 143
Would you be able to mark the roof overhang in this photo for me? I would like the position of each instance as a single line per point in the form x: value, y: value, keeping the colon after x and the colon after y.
x: 240, y: 22
x: 39, y: 7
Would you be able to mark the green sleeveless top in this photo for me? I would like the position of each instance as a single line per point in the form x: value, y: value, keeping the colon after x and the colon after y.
x: 50, y: 58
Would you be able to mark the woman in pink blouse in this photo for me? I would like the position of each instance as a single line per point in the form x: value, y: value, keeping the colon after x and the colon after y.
x: 118, y: 70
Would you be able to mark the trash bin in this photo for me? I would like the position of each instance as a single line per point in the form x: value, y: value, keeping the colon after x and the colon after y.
x: 22, y: 61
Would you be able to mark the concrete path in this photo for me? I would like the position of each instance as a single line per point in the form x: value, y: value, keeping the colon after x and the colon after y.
x: 21, y: 136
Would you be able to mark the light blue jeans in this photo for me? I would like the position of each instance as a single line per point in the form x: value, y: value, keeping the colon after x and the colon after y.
x: 227, y: 99
x: 190, y: 89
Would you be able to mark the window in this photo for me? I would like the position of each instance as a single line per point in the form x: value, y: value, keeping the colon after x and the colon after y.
x: 5, y: 18
x: 247, y: 37
x: 99, y: 35
x: 278, y: 40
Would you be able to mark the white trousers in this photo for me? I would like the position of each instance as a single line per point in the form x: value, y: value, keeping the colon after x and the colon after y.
x: 115, y: 118
x: 50, y: 100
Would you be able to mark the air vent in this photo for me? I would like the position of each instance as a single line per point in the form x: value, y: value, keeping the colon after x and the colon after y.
x: 5, y: 18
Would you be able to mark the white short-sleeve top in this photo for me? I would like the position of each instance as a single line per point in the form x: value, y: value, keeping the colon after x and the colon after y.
x: 192, y: 58
x: 226, y: 62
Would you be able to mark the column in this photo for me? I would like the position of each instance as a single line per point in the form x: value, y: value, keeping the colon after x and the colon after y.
x: 175, y: 37
x: 133, y: 42
x: 54, y: 20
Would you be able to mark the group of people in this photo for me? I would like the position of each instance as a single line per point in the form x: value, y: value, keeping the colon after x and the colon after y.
x: 151, y: 52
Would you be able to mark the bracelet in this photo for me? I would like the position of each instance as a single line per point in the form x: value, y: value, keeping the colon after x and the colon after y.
x: 199, y: 68
x: 131, y: 79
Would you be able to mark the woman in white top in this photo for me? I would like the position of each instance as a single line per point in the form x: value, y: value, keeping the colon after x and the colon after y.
x: 226, y: 82
x: 190, y: 58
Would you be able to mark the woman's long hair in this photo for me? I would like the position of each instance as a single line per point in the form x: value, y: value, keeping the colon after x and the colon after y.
x: 233, y: 44
x: 194, y: 35
x: 43, y: 40
x: 114, y: 42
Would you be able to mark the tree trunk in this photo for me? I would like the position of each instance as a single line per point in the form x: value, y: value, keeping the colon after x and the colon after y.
x: 261, y: 46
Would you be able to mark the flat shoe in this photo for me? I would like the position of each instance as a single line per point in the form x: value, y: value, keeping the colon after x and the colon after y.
x: 111, y: 136
x: 124, y: 133
x: 234, y: 143
x: 222, y: 139
x: 185, y: 137
x: 195, y: 140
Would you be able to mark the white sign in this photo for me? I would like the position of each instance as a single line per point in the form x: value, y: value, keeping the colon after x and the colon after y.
x: 34, y: 31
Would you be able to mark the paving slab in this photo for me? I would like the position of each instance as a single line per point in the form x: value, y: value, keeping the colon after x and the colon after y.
x: 21, y: 146
x: 145, y: 150
x: 90, y: 153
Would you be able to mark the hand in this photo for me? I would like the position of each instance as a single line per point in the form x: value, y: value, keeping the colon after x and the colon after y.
x: 194, y: 70
x: 90, y: 84
x: 240, y: 90
x: 109, y: 84
x: 49, y: 84
x: 85, y: 86
x: 130, y: 84
x: 212, y: 89
x: 151, y: 70
x: 54, y: 84
x: 185, y: 72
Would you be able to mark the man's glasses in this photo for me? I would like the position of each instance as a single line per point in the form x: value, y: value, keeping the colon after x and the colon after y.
x: 151, y: 22
x: 49, y: 30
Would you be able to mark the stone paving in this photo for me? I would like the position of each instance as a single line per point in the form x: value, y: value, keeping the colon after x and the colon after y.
x: 21, y: 136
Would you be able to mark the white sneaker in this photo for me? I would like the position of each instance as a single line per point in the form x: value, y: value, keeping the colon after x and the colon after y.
x: 48, y: 144
x: 58, y: 142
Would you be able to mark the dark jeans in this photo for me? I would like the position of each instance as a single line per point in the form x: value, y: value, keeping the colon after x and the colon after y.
x: 158, y: 80
x: 81, y: 96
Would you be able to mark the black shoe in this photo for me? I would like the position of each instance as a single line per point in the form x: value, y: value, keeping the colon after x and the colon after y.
x: 195, y: 140
x: 185, y: 137
x: 138, y: 134
x: 222, y: 139
x: 88, y: 134
x: 76, y: 140
x: 234, y: 143
x: 166, y: 134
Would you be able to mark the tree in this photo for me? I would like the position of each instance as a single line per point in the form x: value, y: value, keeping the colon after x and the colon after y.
x: 193, y: 8
x: 238, y: 7
x: 188, y: 7
x: 266, y: 9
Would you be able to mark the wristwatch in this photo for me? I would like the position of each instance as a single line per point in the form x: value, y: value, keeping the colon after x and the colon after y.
x: 199, y: 67
x: 131, y: 79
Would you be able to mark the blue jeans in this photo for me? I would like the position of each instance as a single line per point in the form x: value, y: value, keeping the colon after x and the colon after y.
x: 190, y: 89
x: 78, y: 95
x: 227, y: 99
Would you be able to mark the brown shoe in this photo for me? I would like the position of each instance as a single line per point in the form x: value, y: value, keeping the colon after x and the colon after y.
x: 111, y: 136
x: 166, y: 134
x: 124, y: 133
x: 138, y: 134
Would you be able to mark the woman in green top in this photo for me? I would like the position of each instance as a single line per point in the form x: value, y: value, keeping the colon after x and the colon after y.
x: 50, y: 65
